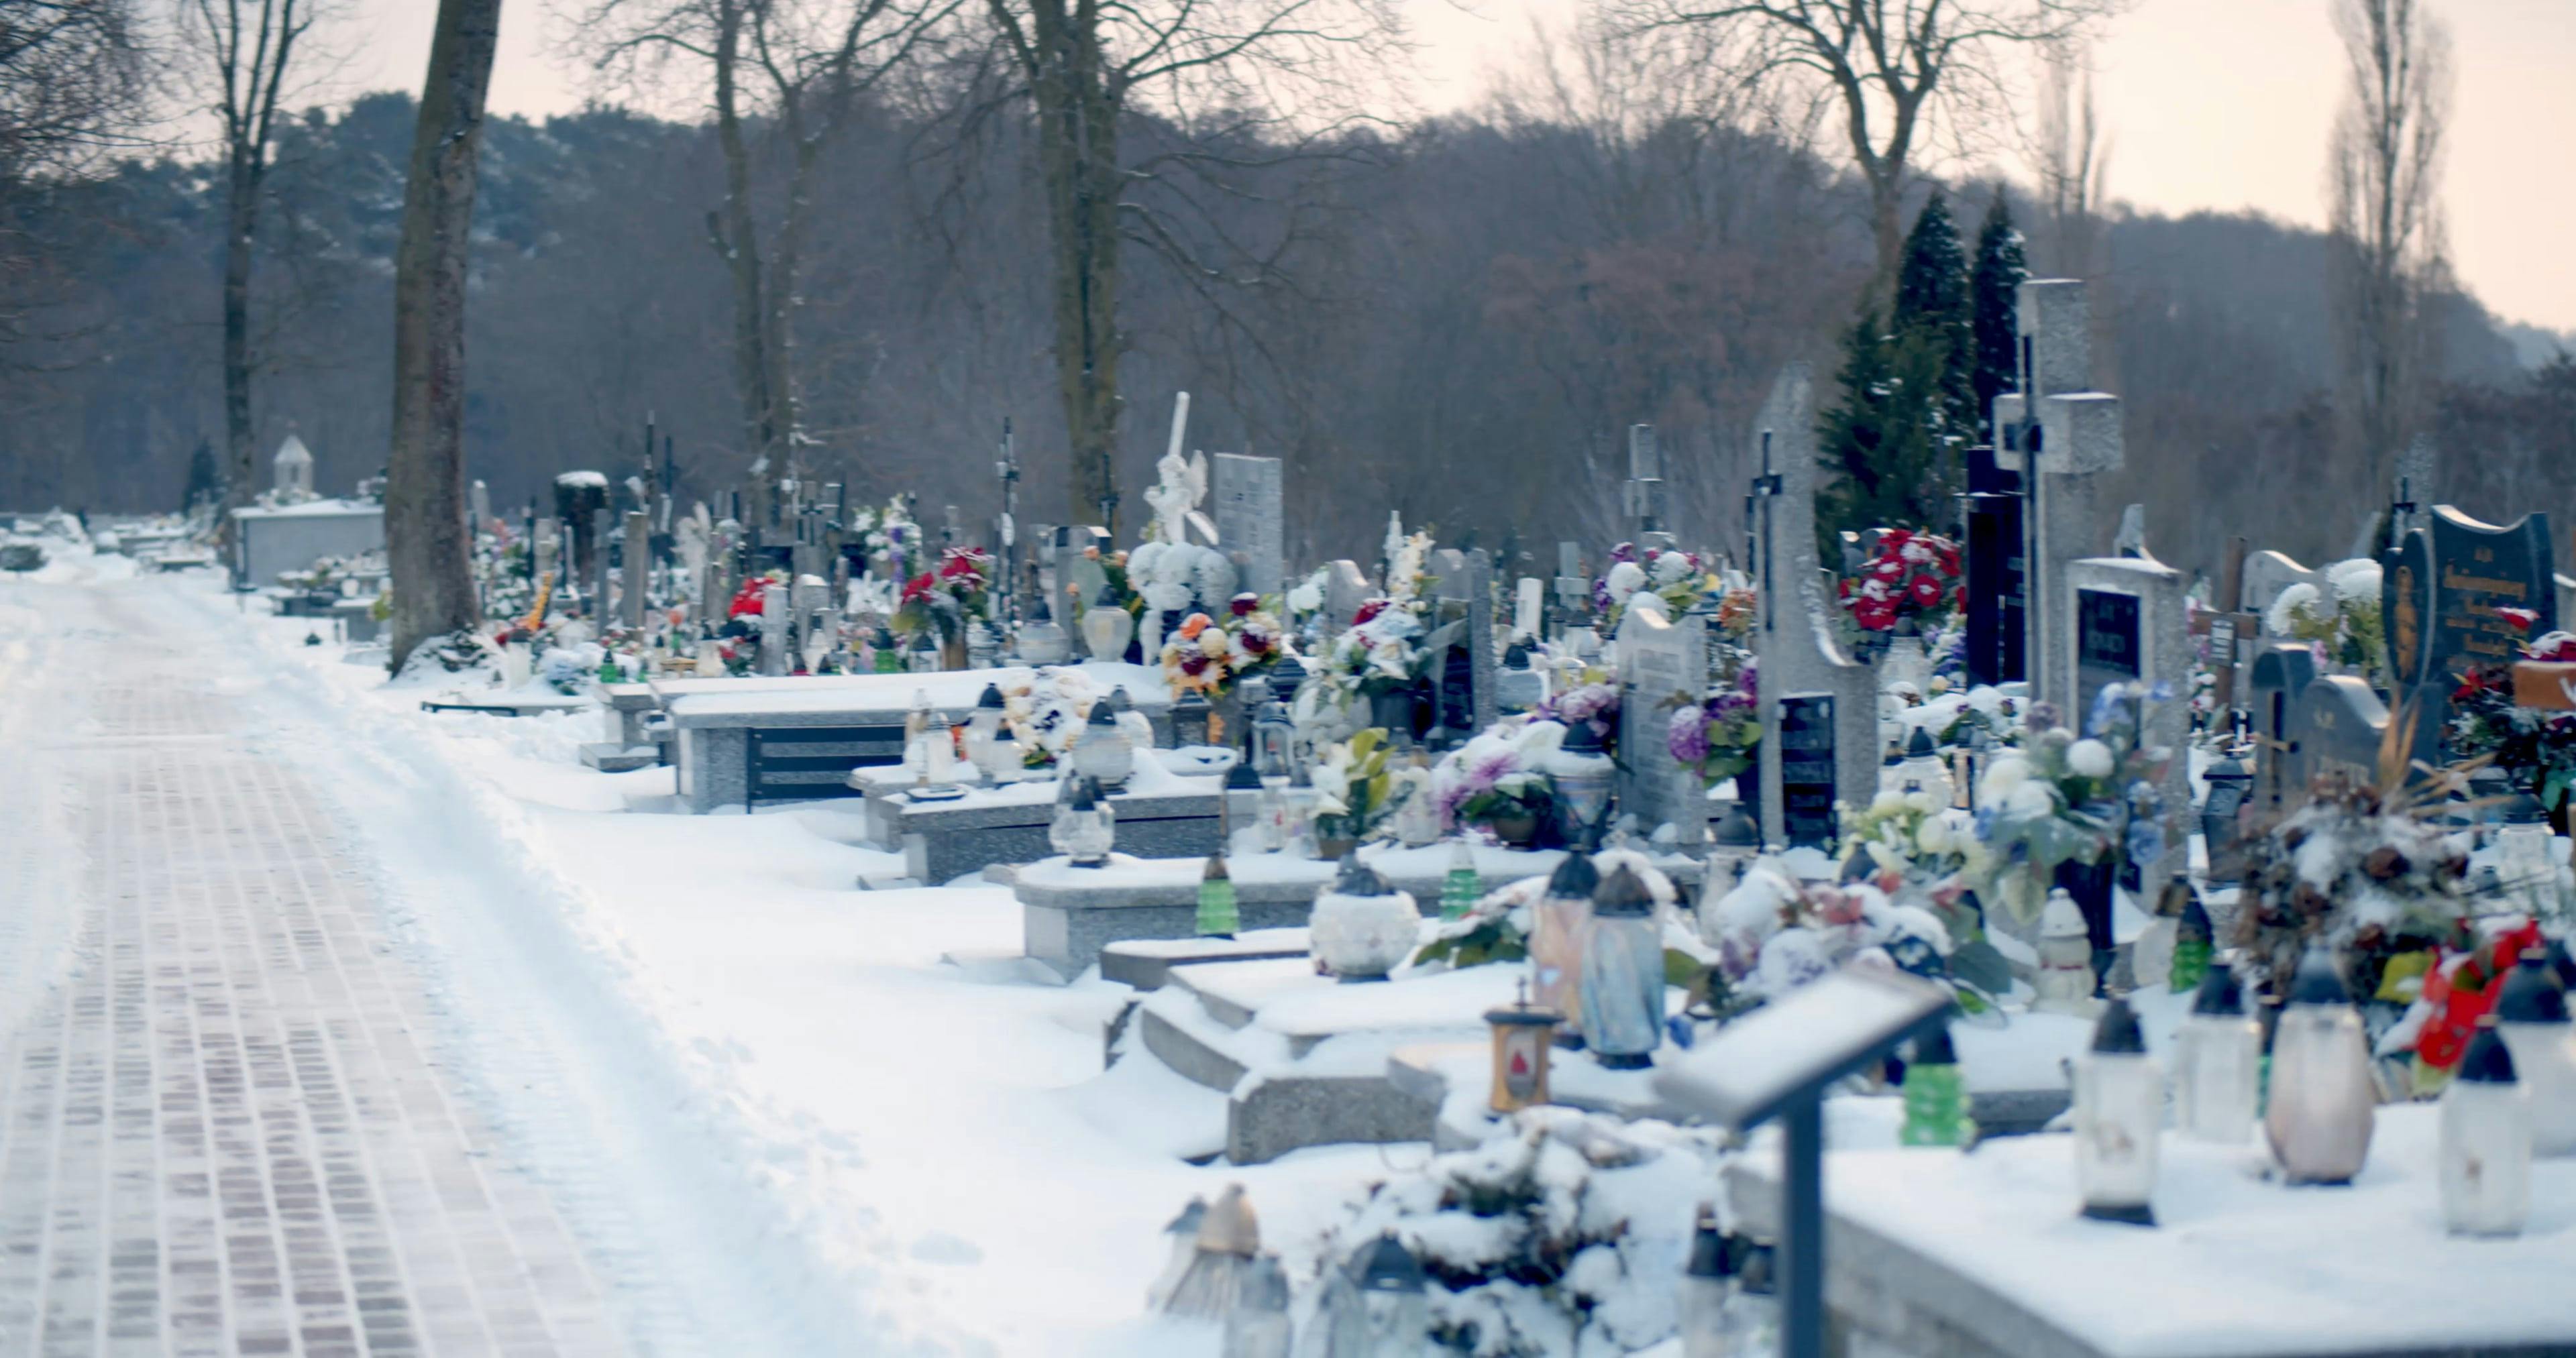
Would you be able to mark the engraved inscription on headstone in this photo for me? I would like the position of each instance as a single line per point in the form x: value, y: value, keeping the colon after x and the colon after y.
x: 1805, y: 744
x: 2107, y: 645
x: 1251, y: 518
x: 1658, y: 662
x: 2338, y: 730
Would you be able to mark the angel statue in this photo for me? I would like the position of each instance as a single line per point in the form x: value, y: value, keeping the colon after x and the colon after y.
x: 1176, y: 499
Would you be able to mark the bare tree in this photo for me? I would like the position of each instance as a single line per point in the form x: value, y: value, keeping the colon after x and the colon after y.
x: 1892, y: 65
x: 254, y: 51
x: 785, y: 77
x: 1222, y: 75
x: 2383, y: 182
x: 72, y: 87
x: 2071, y: 156
x: 426, y: 541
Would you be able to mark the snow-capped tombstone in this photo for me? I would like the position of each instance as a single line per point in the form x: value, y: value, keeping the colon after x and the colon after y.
x: 2281, y: 673
x: 1795, y: 638
x: 1663, y: 666
x: 2478, y: 568
x: 2064, y: 438
x: 1248, y: 497
x: 2267, y: 574
x: 2131, y: 626
x: 2338, y: 730
x: 1346, y: 587
x: 1642, y: 495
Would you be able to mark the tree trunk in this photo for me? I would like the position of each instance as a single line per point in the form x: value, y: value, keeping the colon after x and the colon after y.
x: 1078, y: 151
x: 241, y: 458
x: 736, y: 233
x: 426, y: 540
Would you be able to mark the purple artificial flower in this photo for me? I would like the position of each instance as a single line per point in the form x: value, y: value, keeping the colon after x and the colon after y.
x: 1687, y: 737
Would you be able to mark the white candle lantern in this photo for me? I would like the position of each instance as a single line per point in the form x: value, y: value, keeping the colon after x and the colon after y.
x: 983, y: 730
x: 2531, y: 1017
x: 2486, y: 1141
x: 1623, y: 974
x: 1362, y: 927
x: 1103, y: 752
x: 1561, y: 923
x: 2119, y: 1114
x: 2218, y: 1058
x: 2322, y: 1098
x: 1085, y: 828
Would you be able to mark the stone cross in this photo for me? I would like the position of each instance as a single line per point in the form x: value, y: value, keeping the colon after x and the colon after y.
x: 1759, y: 531
x: 2230, y: 630
x: 1076, y: 576
x: 2064, y: 438
x: 1573, y: 588
x: 1251, y: 519
x: 1998, y: 589
x: 1800, y: 656
x: 1643, y: 494
x: 2130, y: 626
x: 1462, y: 664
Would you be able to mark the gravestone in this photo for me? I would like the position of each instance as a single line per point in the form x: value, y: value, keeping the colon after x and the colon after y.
x: 596, y: 578
x: 2064, y: 438
x: 1795, y: 638
x: 1663, y: 665
x: 545, y: 549
x: 1997, y: 610
x: 1642, y: 496
x: 479, y: 500
x: 1346, y: 587
x: 2131, y: 624
x: 2267, y: 573
x: 2281, y: 672
x: 2229, y: 633
x: 1251, y: 519
x: 1074, y: 574
x: 2338, y: 729
x: 773, y: 630
x: 1573, y: 589
x: 1529, y: 600
x: 1460, y: 653
x: 636, y: 572
x: 2439, y: 593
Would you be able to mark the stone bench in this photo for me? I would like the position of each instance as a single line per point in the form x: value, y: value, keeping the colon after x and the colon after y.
x: 744, y: 742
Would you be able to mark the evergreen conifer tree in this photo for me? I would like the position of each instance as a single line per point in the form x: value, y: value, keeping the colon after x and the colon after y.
x: 1994, y: 285
x: 1892, y: 443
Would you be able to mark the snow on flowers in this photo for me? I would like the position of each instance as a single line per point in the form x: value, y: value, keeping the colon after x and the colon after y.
x: 1912, y: 576
x: 1210, y: 656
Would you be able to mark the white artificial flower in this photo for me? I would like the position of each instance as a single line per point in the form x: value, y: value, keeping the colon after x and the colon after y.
x: 1647, y: 601
x: 2283, y: 615
x: 1920, y: 800
x: 2089, y: 758
x: 1306, y: 598
x: 2031, y: 799
x: 1888, y: 799
x: 2355, y: 581
x: 1933, y: 836
x: 1624, y: 579
x: 2005, y: 774
x: 1671, y: 568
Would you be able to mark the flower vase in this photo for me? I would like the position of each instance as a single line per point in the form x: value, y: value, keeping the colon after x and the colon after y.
x: 2091, y: 885
x: 1906, y: 661
x: 1392, y: 710
x: 952, y: 653
x: 1742, y: 827
x: 1518, y: 831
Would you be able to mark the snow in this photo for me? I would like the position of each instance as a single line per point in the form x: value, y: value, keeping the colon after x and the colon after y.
x: 313, y: 509
x: 951, y: 690
x: 799, y: 1126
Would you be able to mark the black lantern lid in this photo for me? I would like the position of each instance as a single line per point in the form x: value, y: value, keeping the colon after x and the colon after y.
x: 2487, y: 1061
x: 1516, y: 655
x: 2317, y: 981
x: 2117, y: 1033
x: 992, y: 697
x: 2195, y: 920
x: 1711, y: 1254
x: 1264, y: 1287
x: 1286, y: 673
x: 1102, y: 714
x: 2524, y: 809
x: 1575, y: 877
x: 2219, y: 995
x: 1191, y: 700
x: 1387, y: 1266
x: 1580, y: 738
x: 1119, y: 701
x: 1623, y: 895
x: 1935, y: 1048
x: 1038, y: 608
x: 1187, y: 1223
x: 2531, y: 991
x: 1919, y: 745
x: 1359, y: 879
x: 1216, y: 870
x: 1108, y: 596
x: 1758, y: 1270
x: 2228, y: 769
x: 1086, y: 793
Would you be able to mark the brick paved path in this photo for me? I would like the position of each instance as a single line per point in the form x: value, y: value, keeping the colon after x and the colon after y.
x: 225, y: 1134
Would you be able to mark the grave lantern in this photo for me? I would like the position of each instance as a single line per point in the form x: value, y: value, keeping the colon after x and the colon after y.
x: 2525, y: 854
x: 1252, y: 698
x: 2119, y: 1111
x: 1417, y: 818
x: 1393, y: 1304
x: 2218, y: 1062
x: 1221, y: 1258
x: 885, y: 654
x: 2531, y: 1017
x: 1580, y: 771
x: 1560, y: 924
x: 983, y: 729
x: 2486, y: 1140
x: 1460, y: 886
x: 1085, y: 828
x: 1924, y: 768
x: 1362, y: 927
x: 1936, y: 1094
x: 1708, y: 1282
x: 2192, y: 940
x: 1218, y: 916
x: 1184, y: 1231
x: 1258, y: 1325
x: 1524, y: 1036
x: 2230, y: 783
x: 1042, y: 642
x: 1107, y: 627
x: 1190, y: 715
x: 2320, y: 1101
x: 1274, y: 744
x: 1519, y: 687
x: 1103, y: 752
x: 924, y: 655
x: 1623, y: 974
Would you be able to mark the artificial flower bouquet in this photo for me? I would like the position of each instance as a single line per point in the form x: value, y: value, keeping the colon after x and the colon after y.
x: 944, y: 598
x: 2062, y: 798
x: 1676, y: 579
x: 1354, y: 789
x: 1914, y: 577
x: 2345, y: 631
x: 1499, y: 776
x: 1719, y: 735
x: 1212, y: 656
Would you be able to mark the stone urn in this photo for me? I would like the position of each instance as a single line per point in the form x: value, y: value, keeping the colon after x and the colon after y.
x: 1518, y: 831
x: 1362, y: 927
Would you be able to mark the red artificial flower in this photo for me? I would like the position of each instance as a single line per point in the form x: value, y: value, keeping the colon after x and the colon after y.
x: 1367, y: 612
x: 1894, y: 538
x: 1949, y: 563
x: 1889, y: 568
x: 2521, y: 618
x: 1243, y: 604
x: 748, y: 600
x: 1193, y: 664
x: 2472, y: 683
x: 1256, y: 643
x: 1925, y: 589
x: 1959, y: 597
x: 2557, y: 648
x: 1844, y: 585
x: 918, y: 588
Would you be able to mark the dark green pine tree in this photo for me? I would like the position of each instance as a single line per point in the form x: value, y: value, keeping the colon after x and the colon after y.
x: 1932, y: 308
x: 1892, y: 444
x: 1994, y: 286
x: 205, y: 480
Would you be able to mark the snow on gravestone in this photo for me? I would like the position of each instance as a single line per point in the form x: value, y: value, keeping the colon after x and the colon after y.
x: 2439, y: 600
x: 1662, y: 666
x: 1251, y: 518
x: 1346, y: 587
x: 1795, y: 638
x: 2131, y: 626
x: 2079, y: 447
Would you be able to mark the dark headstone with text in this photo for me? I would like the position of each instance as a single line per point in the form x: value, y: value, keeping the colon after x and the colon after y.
x: 2107, y: 645
x: 1807, y: 782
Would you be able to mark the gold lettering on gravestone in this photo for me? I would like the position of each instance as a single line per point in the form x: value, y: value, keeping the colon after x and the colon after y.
x: 2403, y: 626
x: 2472, y: 621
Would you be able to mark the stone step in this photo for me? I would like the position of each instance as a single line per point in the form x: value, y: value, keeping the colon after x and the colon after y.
x: 1149, y: 963
x: 608, y: 756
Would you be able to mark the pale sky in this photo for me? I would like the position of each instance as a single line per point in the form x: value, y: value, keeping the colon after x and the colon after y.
x: 2219, y: 104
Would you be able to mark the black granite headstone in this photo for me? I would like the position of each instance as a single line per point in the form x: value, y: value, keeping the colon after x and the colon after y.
x: 2338, y: 728
x: 1996, y: 617
x: 2107, y: 647
x: 1807, y: 789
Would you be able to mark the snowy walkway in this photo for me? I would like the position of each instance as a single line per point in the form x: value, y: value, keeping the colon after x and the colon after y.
x: 224, y: 1133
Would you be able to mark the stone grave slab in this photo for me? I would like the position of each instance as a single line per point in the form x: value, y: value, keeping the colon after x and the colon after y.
x: 1249, y: 500
x: 1159, y: 815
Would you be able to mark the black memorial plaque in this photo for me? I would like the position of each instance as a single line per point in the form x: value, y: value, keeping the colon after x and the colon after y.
x: 2107, y: 635
x: 1807, y: 790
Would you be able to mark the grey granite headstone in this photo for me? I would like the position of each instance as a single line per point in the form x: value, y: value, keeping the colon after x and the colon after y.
x: 2281, y: 672
x: 1483, y: 651
x: 1662, y: 666
x: 1795, y: 639
x: 596, y: 607
x: 637, y: 571
x: 2268, y: 573
x: 2338, y: 727
x: 2444, y: 621
x: 1346, y: 587
x: 2131, y: 625
x: 1250, y: 505
x: 773, y: 630
x: 2078, y: 443
x: 1573, y: 591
